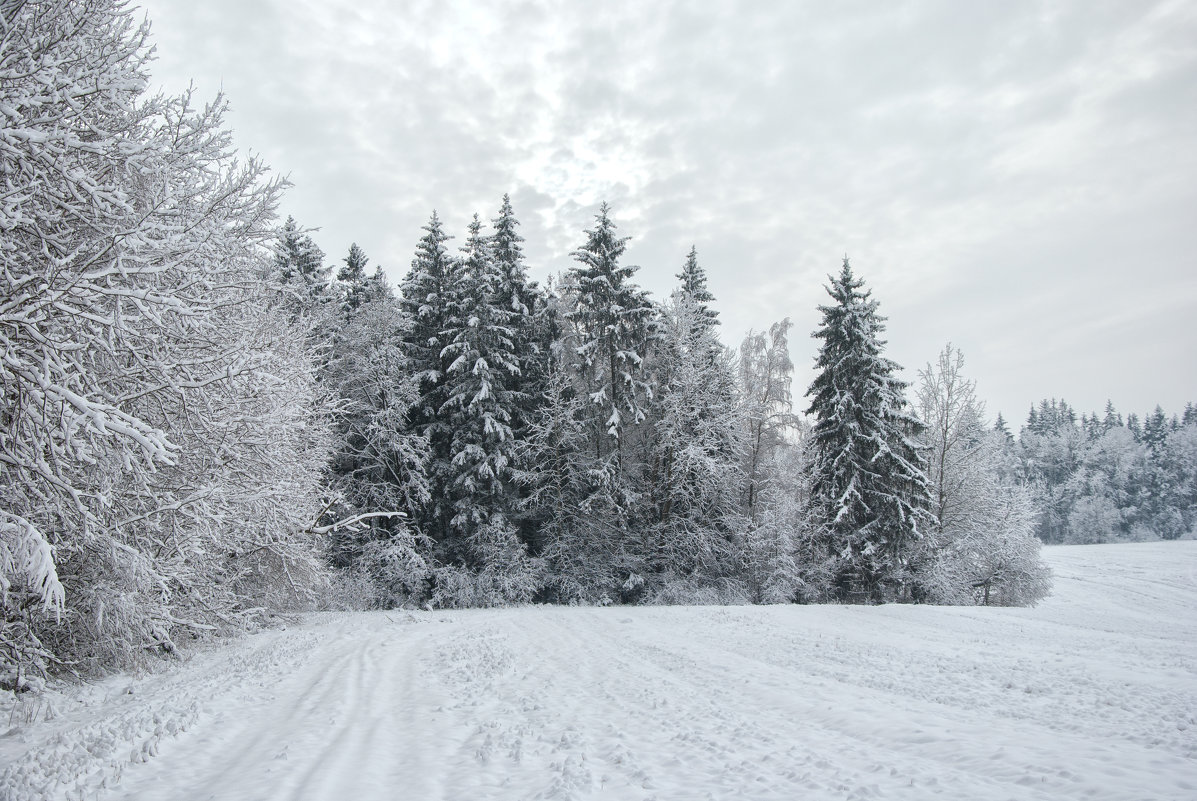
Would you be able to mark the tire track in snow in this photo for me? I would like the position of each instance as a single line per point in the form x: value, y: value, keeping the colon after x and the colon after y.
x: 1090, y: 695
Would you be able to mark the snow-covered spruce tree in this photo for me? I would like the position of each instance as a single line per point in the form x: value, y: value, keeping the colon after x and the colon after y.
x: 299, y: 264
x: 533, y: 331
x: 613, y: 320
x: 352, y: 280
x: 869, y: 496
x: 157, y: 407
x: 693, y: 279
x: 611, y: 323
x: 379, y: 463
x: 518, y: 297
x: 430, y: 299
x: 478, y: 413
x: 695, y: 448
x: 982, y: 547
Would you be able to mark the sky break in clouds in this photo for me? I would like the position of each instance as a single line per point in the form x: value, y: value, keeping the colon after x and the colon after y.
x: 1019, y: 178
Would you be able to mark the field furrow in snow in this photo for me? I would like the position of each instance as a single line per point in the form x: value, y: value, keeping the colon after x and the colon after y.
x: 1092, y: 694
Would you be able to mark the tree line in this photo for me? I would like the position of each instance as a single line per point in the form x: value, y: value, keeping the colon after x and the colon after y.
x: 204, y: 424
x: 1102, y: 478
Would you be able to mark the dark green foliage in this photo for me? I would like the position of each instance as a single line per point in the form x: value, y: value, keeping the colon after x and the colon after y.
x: 355, y: 284
x: 613, y: 321
x: 430, y: 300
x: 868, y: 487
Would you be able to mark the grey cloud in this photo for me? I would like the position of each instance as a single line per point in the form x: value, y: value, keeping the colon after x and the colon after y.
x: 1006, y: 175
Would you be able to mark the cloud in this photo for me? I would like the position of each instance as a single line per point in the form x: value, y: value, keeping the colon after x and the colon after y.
x: 1016, y: 177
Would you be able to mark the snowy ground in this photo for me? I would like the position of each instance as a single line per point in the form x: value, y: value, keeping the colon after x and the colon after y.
x: 1092, y: 694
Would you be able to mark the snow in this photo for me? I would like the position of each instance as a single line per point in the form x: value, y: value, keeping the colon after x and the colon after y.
x: 1091, y: 694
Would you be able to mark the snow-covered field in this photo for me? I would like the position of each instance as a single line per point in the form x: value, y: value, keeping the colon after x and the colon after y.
x: 1092, y: 694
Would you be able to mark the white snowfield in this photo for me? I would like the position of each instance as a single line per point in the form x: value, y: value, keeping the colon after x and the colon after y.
x: 1092, y: 694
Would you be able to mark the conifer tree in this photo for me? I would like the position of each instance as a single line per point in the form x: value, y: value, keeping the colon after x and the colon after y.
x: 479, y: 406
x: 298, y: 261
x: 532, y: 332
x: 1155, y: 429
x: 868, y: 486
x: 514, y: 293
x: 431, y: 305
x: 614, y: 320
x: 1000, y: 426
x: 693, y: 280
x: 697, y: 439
x: 1112, y: 419
x: 355, y: 284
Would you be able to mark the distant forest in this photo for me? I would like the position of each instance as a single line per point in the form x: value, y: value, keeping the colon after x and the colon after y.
x: 205, y: 424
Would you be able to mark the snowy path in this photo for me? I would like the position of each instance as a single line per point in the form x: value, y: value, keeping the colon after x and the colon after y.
x: 1093, y: 694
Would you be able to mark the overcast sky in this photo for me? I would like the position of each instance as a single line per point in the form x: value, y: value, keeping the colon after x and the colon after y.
x: 1019, y: 178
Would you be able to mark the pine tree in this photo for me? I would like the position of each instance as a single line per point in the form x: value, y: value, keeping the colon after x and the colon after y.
x: 868, y: 489
x: 514, y: 293
x: 533, y: 331
x: 431, y: 305
x: 1002, y: 428
x: 298, y: 261
x: 1112, y: 419
x: 1155, y: 429
x: 614, y: 320
x: 693, y: 280
x: 479, y: 407
x: 355, y: 284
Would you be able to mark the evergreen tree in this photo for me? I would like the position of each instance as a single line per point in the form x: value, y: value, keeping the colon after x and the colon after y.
x: 1002, y: 428
x: 478, y: 409
x: 696, y: 442
x: 299, y: 262
x: 614, y: 320
x: 355, y: 284
x: 1112, y: 419
x: 431, y: 305
x: 1032, y: 425
x: 1155, y: 429
x: 532, y: 328
x: 868, y: 489
x: 694, y: 287
x: 514, y: 293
